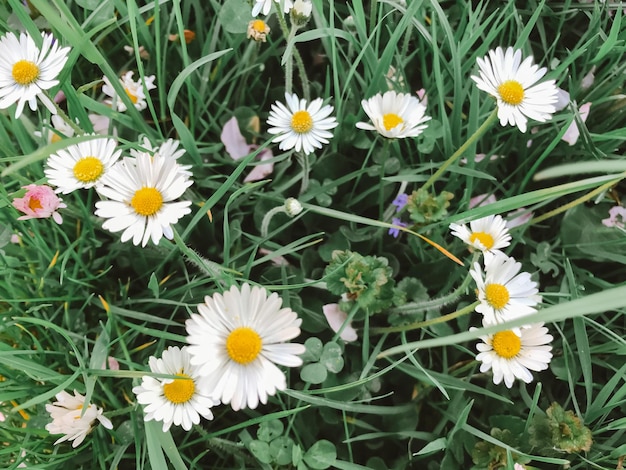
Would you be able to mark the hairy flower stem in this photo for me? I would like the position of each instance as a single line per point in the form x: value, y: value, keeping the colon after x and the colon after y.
x: 303, y: 160
x: 208, y: 267
x: 292, y: 54
x: 461, y: 150
x: 426, y: 323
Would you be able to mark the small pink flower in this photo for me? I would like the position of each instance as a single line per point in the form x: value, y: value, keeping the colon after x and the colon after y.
x: 39, y: 202
x: 617, y: 217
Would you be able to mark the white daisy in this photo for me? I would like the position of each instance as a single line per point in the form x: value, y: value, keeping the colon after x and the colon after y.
x: 25, y: 70
x: 513, y: 354
x: 394, y: 115
x: 142, y: 192
x: 71, y: 417
x: 238, y: 338
x: 488, y: 234
x: 513, y: 83
x: 82, y: 165
x: 503, y: 291
x: 300, y: 126
x: 179, y: 401
x: 264, y: 6
x: 134, y: 90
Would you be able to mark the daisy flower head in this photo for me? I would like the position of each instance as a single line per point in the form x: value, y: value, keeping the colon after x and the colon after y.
x: 82, y: 165
x: 72, y: 418
x: 504, y: 293
x: 264, y: 6
x: 134, y: 90
x: 237, y: 338
x: 180, y: 401
x: 258, y: 30
x: 488, y: 234
x: 301, y: 126
x: 26, y: 71
x: 512, y: 354
x: 39, y: 202
x: 142, y: 193
x: 513, y: 83
x: 394, y: 115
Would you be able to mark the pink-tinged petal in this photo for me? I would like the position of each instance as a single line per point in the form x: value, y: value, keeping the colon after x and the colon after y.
x: 572, y: 133
x: 336, y: 318
x: 233, y: 140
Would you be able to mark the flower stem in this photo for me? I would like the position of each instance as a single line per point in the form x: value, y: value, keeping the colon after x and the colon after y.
x: 426, y: 323
x: 456, y: 155
x: 306, y: 169
x: 265, y: 224
x: 293, y: 54
x: 64, y: 116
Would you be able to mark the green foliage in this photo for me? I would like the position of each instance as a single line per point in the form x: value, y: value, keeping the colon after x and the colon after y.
x: 425, y: 208
x: 366, y: 280
x: 559, y: 432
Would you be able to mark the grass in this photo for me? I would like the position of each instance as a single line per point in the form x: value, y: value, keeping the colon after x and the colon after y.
x: 401, y: 396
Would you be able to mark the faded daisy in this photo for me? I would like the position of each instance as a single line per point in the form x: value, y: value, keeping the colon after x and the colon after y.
x: 513, y: 354
x: 488, y: 234
x: 513, y: 83
x: 142, y: 193
x: 134, y: 90
x: 81, y: 166
x: 504, y: 293
x: 26, y: 71
x: 72, y: 418
x: 394, y: 115
x: 180, y: 401
x: 258, y: 30
x: 237, y: 338
x: 301, y: 126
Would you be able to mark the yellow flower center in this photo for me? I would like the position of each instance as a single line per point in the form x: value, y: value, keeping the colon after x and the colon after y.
x: 34, y: 204
x: 506, y: 344
x: 511, y: 92
x: 243, y: 345
x: 180, y: 390
x: 147, y: 201
x: 132, y: 97
x: 301, y: 122
x: 484, y: 238
x: 497, y: 295
x: 88, y: 169
x: 258, y: 26
x: 25, y: 72
x: 391, y: 120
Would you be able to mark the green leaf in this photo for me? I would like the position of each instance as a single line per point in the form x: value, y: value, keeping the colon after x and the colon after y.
x: 269, y: 430
x: 321, y: 455
x: 313, y: 350
x: 281, y: 450
x: 434, y: 446
x: 153, y: 285
x: 235, y: 16
x: 261, y: 450
x: 332, y: 357
x: 314, y: 373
